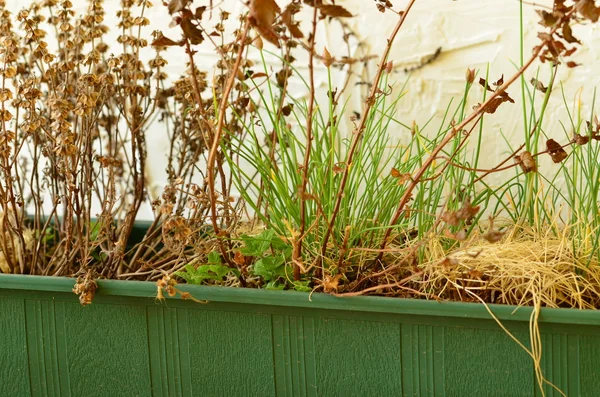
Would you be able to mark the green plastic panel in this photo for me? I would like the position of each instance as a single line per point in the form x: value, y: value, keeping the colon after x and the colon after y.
x: 279, y: 343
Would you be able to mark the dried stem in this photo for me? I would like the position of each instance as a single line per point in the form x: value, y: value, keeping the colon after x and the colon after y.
x: 358, y: 132
x: 297, y: 255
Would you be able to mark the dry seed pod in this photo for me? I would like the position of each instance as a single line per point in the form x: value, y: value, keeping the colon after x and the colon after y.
x: 526, y: 162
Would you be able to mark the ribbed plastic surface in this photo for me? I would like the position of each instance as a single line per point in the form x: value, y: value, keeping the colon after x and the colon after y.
x: 267, y: 343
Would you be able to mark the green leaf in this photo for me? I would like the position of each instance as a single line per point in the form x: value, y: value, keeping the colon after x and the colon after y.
x: 269, y: 267
x: 94, y: 230
x: 220, y: 270
x: 214, y: 258
x: 257, y: 245
x: 302, y: 286
x: 275, y: 285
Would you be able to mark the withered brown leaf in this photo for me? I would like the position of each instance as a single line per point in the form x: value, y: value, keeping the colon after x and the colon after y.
x: 567, y: 33
x: 199, y: 12
x: 85, y: 287
x: 588, y: 9
x: 177, y: 5
x: 461, y: 235
x: 556, y: 151
x: 484, y: 84
x: 466, y: 213
x: 287, y: 19
x: 548, y: 18
x: 190, y: 30
x: 493, y: 236
x: 538, y: 85
x: 331, y: 283
x: 580, y: 139
x: 338, y: 168
x: 495, y: 103
x: 163, y: 41
x: 402, y: 177
x: 262, y: 16
x: 334, y: 11
x: 239, y: 258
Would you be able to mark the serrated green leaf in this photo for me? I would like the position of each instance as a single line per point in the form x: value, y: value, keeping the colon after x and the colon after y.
x: 214, y: 258
x: 258, y: 245
x: 220, y: 270
x: 269, y: 267
x: 302, y: 286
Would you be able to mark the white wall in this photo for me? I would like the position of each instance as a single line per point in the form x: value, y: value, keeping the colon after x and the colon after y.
x: 471, y: 33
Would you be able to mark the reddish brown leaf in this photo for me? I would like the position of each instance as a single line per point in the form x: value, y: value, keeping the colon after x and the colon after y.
x: 461, y: 235
x: 570, y: 52
x: 404, y: 178
x: 450, y: 218
x: 239, y: 258
x: 556, y: 151
x: 449, y: 262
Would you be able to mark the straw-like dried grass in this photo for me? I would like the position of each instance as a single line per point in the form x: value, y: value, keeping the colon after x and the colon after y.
x: 524, y: 269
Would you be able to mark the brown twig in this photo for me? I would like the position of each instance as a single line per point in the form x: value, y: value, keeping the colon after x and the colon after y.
x: 398, y: 284
x: 297, y: 254
x: 217, y: 138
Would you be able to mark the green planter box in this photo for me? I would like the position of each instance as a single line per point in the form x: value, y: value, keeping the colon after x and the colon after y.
x: 274, y: 343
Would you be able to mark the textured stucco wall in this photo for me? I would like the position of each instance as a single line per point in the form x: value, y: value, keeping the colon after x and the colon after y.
x: 471, y: 34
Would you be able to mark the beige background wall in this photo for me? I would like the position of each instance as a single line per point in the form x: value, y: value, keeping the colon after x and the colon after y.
x: 471, y: 34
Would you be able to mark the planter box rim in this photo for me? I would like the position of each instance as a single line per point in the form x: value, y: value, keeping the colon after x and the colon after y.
x: 372, y: 304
